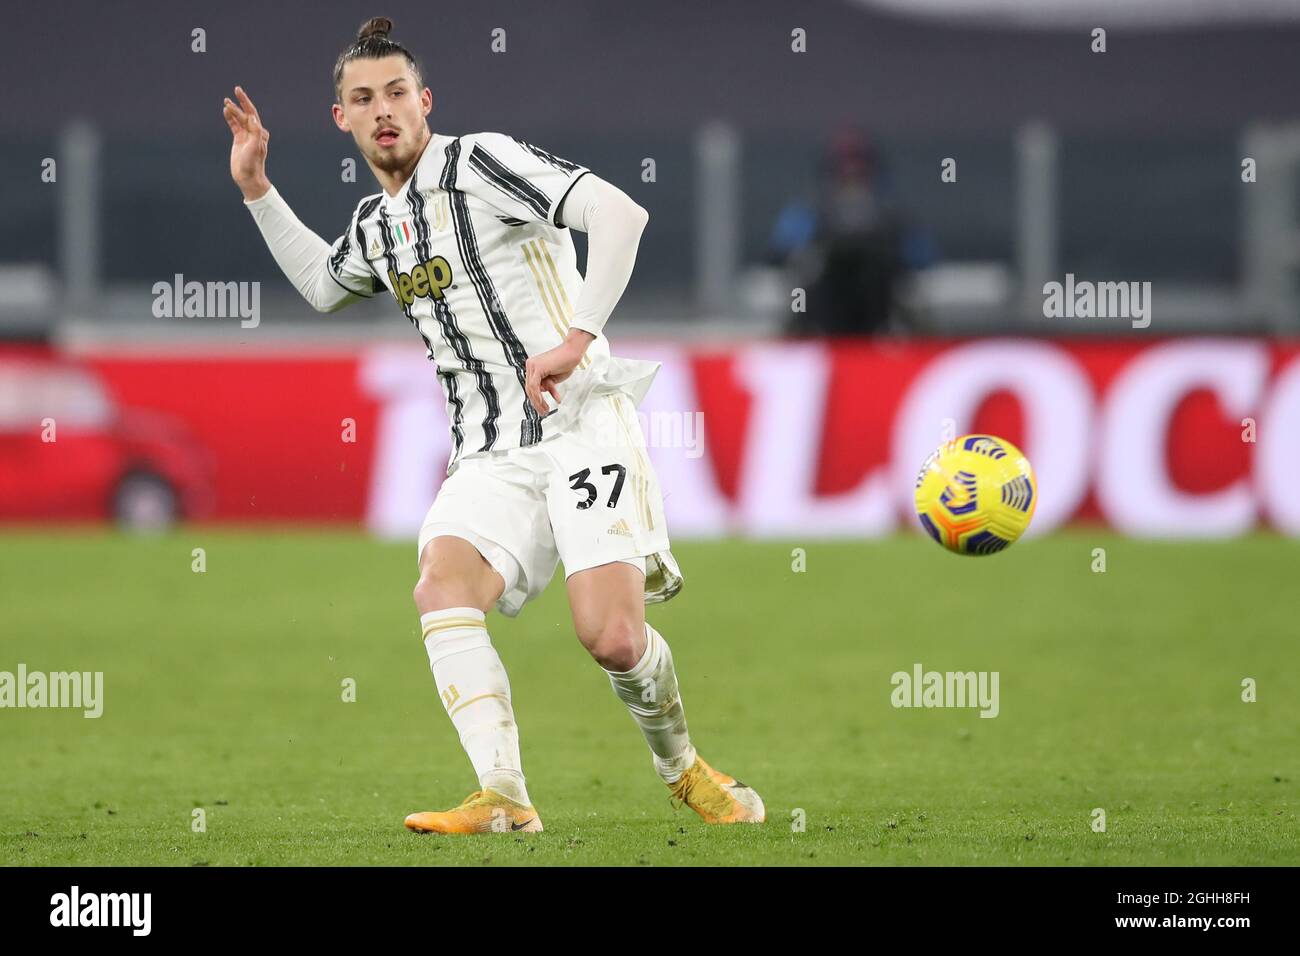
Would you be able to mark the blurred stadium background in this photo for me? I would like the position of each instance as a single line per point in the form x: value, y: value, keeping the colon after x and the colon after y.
x: 1125, y: 165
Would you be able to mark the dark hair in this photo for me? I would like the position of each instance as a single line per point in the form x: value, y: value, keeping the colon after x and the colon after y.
x: 372, y: 43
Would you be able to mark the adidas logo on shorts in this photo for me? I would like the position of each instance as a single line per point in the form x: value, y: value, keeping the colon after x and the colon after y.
x: 620, y: 527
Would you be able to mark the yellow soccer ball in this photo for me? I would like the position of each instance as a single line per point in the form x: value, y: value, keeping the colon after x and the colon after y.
x: 976, y: 495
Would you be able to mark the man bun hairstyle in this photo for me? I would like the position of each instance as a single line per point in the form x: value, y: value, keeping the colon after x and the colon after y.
x: 372, y: 43
x: 375, y: 27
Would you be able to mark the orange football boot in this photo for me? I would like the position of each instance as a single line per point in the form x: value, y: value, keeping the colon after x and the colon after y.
x: 483, y: 811
x: 716, y: 797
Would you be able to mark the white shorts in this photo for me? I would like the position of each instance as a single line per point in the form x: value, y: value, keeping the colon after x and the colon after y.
x: 587, y: 497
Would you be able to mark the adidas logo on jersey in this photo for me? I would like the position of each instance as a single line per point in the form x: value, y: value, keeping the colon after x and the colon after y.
x: 427, y: 279
x: 620, y: 527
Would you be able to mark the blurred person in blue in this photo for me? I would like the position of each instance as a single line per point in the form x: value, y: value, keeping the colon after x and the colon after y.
x: 850, y: 249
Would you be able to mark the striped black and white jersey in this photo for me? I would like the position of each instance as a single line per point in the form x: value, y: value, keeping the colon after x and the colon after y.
x: 472, y: 251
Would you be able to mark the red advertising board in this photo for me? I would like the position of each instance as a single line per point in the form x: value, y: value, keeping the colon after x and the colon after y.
x: 1173, y: 437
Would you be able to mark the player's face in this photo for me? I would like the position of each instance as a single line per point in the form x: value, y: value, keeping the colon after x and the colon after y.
x: 384, y: 111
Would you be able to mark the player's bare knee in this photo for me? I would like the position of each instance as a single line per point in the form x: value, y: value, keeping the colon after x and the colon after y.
x: 439, y: 588
x: 616, y: 643
x: 427, y: 591
x: 454, y: 574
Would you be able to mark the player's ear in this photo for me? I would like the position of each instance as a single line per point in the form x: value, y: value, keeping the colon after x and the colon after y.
x: 339, y: 120
x: 426, y: 101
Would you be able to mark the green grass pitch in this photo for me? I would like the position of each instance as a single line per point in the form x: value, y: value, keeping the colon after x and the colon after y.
x: 1118, y: 690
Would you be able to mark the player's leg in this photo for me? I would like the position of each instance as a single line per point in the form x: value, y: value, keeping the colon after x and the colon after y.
x: 607, y: 516
x: 608, y: 604
x: 463, y: 574
x: 456, y: 588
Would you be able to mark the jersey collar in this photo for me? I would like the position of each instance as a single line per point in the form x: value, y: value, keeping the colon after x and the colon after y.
x: 428, y: 171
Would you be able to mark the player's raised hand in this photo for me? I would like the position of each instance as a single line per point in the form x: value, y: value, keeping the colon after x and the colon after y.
x: 248, y: 146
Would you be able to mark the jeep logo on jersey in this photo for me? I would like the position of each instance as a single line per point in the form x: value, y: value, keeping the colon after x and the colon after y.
x: 427, y: 279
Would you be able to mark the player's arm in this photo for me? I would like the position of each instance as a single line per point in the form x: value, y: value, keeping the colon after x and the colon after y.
x: 304, y: 257
x: 613, y: 222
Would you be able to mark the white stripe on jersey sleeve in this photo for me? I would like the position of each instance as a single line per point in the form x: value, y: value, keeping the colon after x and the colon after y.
x: 521, y: 180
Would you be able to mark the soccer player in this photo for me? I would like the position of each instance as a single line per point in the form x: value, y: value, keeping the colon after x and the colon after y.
x: 548, y: 463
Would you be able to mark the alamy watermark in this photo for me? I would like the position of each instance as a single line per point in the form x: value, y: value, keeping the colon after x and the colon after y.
x: 922, y: 688
x: 75, y: 908
x: 661, y: 429
x: 1098, y: 300
x: 208, y: 300
x: 77, y: 690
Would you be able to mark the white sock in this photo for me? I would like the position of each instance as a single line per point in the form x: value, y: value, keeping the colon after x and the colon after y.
x: 476, y: 693
x: 650, y: 692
